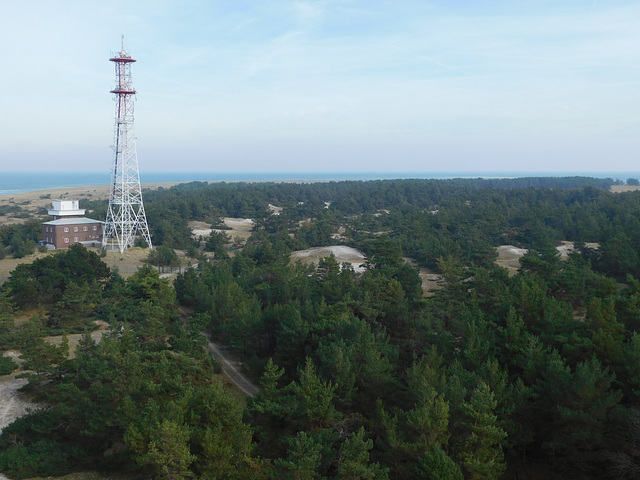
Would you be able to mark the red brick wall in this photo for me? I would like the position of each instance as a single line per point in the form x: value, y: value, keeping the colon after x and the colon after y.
x: 56, y: 234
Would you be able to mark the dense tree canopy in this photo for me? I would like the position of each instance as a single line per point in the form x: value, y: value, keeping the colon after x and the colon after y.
x: 363, y: 375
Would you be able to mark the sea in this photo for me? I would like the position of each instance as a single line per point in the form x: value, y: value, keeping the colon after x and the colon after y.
x: 22, y: 182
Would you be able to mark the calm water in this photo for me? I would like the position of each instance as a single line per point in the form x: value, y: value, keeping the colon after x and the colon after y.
x: 19, y: 182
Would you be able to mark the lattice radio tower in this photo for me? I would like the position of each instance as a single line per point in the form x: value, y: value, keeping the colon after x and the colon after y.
x: 125, y: 216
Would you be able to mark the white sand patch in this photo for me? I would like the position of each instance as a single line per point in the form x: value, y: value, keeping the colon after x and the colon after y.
x: 200, y: 229
x: 340, y: 235
x: 274, y: 210
x: 13, y: 404
x: 509, y: 257
x: 239, y: 229
x: 511, y: 250
x: 239, y: 223
x: 342, y: 253
x: 565, y: 248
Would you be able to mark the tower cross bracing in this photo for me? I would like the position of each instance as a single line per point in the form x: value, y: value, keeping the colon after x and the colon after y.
x: 125, y: 215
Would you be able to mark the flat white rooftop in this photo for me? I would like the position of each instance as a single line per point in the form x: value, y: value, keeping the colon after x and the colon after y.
x: 63, y: 208
x: 72, y: 221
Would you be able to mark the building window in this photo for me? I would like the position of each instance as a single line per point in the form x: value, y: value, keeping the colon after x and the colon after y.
x: 75, y: 239
x: 66, y: 229
x: 66, y: 240
x: 95, y: 227
x: 86, y: 229
x: 75, y: 229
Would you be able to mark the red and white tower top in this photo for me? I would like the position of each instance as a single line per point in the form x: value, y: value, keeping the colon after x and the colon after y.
x: 123, y: 63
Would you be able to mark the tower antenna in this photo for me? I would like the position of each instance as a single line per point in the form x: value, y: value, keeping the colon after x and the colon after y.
x: 125, y: 215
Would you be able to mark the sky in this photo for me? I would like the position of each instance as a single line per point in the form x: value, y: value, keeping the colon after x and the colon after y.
x: 325, y: 86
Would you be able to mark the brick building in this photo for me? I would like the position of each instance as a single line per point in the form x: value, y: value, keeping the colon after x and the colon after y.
x: 69, y: 226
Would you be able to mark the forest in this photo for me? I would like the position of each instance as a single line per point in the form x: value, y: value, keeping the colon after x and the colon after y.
x: 363, y: 375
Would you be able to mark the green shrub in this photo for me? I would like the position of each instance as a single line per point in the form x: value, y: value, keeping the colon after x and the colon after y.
x: 7, y: 365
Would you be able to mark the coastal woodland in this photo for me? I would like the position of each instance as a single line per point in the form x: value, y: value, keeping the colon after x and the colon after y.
x: 363, y: 373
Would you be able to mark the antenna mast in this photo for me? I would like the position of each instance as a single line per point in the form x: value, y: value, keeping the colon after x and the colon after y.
x: 125, y: 216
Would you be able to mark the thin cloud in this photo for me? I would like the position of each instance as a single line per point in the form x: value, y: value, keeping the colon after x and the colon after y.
x: 422, y: 76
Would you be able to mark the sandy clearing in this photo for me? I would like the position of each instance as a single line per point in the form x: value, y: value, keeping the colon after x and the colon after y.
x: 510, y: 250
x: 342, y: 253
x: 274, y: 210
x: 564, y: 249
x: 8, y: 265
x: 245, y: 224
x: 430, y: 280
x: 624, y: 188
x: 74, y: 338
x: 126, y: 263
x: 200, y: 229
x: 509, y: 257
x: 239, y: 229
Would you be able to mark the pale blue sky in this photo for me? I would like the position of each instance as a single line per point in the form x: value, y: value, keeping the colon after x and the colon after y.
x: 266, y: 85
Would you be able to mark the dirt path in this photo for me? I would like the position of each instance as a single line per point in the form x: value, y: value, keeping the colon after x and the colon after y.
x: 13, y: 404
x: 231, y: 368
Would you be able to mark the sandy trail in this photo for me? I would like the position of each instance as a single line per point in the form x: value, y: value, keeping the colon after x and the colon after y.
x: 13, y: 404
x: 231, y: 369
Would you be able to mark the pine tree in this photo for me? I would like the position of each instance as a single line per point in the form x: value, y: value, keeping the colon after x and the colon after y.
x: 481, y: 452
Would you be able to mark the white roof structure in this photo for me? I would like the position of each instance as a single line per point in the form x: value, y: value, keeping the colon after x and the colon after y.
x: 72, y: 221
x: 63, y: 208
